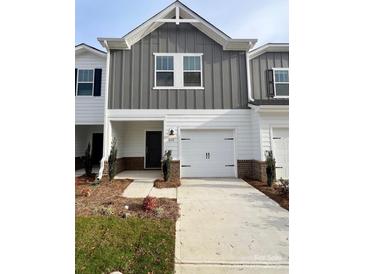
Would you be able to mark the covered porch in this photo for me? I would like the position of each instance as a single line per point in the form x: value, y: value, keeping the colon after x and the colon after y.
x: 140, y: 144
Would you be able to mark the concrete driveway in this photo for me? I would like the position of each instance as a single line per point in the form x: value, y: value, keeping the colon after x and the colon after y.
x: 227, y: 226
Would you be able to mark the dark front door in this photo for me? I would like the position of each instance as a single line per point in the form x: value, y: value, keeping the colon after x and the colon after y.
x: 97, y: 148
x: 153, y: 149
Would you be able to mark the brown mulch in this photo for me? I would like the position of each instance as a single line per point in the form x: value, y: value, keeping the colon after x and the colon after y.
x: 84, y: 179
x: 160, y: 183
x: 106, y: 199
x: 272, y: 193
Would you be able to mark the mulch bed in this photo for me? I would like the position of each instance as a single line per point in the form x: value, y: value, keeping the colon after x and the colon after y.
x: 84, y: 179
x: 272, y: 193
x: 160, y: 183
x: 105, y: 199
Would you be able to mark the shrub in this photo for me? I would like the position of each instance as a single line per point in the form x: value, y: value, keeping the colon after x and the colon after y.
x: 88, y: 166
x: 284, y: 186
x: 270, y: 167
x: 149, y: 203
x: 166, y: 165
x: 112, y: 160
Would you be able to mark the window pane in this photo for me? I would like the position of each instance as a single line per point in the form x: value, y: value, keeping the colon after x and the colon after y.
x: 85, y: 89
x: 164, y: 62
x: 192, y: 79
x: 282, y: 76
x: 86, y: 75
x: 164, y: 79
x: 282, y: 89
x: 191, y: 62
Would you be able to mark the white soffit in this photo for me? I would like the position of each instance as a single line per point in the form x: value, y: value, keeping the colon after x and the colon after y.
x: 270, y: 47
x: 180, y: 14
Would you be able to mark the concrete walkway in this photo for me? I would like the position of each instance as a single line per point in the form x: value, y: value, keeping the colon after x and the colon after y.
x: 227, y: 226
x: 142, y: 185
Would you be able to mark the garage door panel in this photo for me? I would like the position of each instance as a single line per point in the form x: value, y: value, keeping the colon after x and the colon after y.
x: 219, y: 144
x: 280, y: 142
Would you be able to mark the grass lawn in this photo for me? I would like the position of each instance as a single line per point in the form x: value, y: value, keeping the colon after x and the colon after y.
x: 132, y: 245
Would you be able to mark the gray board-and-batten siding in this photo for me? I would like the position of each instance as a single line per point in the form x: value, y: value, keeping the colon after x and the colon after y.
x: 132, y: 73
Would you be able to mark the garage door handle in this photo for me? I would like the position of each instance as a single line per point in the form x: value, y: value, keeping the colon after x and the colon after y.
x: 279, y: 167
x: 185, y: 165
x: 229, y: 165
x: 276, y: 138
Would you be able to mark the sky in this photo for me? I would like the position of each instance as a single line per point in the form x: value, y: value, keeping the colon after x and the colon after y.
x: 265, y: 20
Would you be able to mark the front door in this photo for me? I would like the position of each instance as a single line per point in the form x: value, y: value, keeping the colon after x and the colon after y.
x: 153, y: 149
x: 281, y: 152
x: 97, y: 148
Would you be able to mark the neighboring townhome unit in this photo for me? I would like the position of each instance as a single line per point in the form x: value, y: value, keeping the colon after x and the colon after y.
x: 178, y: 83
x: 90, y: 68
x: 269, y: 99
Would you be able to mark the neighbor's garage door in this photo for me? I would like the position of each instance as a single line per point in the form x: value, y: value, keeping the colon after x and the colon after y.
x: 207, y: 153
x: 280, y: 141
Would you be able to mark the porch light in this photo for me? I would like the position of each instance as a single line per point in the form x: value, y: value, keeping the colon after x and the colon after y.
x: 172, y: 134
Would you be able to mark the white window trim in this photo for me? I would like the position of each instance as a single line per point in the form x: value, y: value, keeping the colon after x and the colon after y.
x: 279, y: 69
x: 93, y: 83
x: 179, y: 71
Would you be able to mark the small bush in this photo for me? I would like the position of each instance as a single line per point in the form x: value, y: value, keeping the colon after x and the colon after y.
x: 166, y: 165
x: 103, y: 210
x: 270, y: 167
x: 112, y: 160
x: 88, y: 166
x: 149, y: 203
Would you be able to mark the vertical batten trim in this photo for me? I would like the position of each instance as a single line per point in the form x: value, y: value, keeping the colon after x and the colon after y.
x: 122, y: 80
x: 260, y: 76
x: 131, y: 79
x: 151, y: 70
x: 240, y: 79
x: 140, y: 74
x: 222, y: 91
x: 231, y: 76
x: 213, y: 107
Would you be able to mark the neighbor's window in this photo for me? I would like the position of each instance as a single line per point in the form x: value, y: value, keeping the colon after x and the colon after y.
x: 85, y: 82
x: 164, y: 71
x: 192, y: 71
x: 281, y: 82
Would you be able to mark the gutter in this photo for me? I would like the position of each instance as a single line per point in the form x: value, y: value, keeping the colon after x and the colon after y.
x: 105, y: 140
x: 250, y: 99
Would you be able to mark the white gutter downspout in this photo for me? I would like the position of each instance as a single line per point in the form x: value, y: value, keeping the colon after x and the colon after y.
x: 106, y: 130
x: 250, y: 99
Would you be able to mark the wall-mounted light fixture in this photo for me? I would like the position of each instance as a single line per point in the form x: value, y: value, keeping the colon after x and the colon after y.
x: 172, y: 133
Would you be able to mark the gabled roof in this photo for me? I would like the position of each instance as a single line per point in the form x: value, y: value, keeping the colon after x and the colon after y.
x: 269, y: 47
x: 81, y: 48
x: 177, y: 13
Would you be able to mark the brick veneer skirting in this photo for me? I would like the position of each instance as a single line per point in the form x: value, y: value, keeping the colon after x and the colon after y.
x: 252, y: 169
x: 175, y: 170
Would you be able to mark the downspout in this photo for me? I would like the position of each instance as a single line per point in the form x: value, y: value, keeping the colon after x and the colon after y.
x: 106, y: 130
x: 249, y: 90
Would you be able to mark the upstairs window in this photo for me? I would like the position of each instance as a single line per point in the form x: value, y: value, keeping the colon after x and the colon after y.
x: 281, y: 82
x: 85, y: 82
x: 192, y: 71
x: 178, y: 71
x: 164, y: 71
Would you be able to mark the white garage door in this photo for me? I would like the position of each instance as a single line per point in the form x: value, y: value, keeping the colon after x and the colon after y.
x: 280, y: 142
x: 207, y: 153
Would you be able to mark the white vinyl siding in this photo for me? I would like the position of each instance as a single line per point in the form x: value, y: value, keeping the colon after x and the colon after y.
x: 83, y: 135
x: 90, y: 109
x: 131, y: 136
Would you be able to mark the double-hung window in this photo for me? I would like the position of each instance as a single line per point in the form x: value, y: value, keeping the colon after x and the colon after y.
x: 178, y: 71
x: 85, y: 82
x: 192, y: 71
x: 164, y: 71
x: 281, y: 82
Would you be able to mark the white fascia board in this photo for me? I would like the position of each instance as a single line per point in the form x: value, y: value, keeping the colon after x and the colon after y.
x: 82, y: 48
x: 284, y: 47
x: 270, y: 108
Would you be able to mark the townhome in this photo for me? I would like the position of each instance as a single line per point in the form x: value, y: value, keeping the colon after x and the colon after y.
x: 90, y: 77
x: 269, y: 100
x: 178, y: 83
